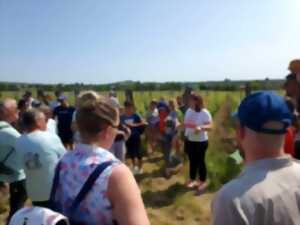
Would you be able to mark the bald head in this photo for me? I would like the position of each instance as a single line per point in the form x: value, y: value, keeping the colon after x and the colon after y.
x: 8, y: 110
x: 257, y: 145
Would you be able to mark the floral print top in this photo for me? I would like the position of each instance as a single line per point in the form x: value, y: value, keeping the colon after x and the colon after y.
x: 75, y: 168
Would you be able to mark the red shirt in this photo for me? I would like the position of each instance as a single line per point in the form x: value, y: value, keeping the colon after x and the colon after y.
x: 289, y: 147
x: 162, y: 123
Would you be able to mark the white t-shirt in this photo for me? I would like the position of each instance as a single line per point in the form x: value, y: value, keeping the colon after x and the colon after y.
x: 52, y: 126
x: 198, y: 119
x: 40, y: 153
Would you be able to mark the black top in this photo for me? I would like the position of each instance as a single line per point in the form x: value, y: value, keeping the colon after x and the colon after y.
x: 64, y: 117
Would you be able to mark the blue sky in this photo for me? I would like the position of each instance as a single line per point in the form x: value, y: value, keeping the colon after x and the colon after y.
x: 94, y: 41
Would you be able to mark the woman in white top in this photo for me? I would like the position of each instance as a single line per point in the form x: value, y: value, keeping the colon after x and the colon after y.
x: 197, y: 122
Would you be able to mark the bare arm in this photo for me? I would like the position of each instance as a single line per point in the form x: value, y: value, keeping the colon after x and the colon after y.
x: 207, y: 127
x: 123, y: 192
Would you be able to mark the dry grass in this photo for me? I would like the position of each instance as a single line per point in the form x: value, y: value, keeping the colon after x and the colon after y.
x: 168, y: 201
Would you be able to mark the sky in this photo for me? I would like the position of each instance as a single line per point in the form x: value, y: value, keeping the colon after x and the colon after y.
x: 103, y: 41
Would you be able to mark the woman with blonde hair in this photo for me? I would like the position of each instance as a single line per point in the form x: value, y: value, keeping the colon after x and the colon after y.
x: 113, y: 196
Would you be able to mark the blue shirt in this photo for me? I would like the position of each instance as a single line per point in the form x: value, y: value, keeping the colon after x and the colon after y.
x: 40, y: 153
x: 8, y: 137
x: 134, y: 118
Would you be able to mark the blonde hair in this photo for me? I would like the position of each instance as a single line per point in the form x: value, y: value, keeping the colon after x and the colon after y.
x: 96, y: 115
x: 86, y: 96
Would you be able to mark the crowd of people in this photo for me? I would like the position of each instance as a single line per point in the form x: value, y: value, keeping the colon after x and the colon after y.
x: 73, y: 159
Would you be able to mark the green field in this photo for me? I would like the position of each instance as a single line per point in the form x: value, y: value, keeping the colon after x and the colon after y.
x: 167, y: 200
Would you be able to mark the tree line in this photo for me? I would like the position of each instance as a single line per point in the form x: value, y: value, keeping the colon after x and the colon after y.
x: 226, y: 85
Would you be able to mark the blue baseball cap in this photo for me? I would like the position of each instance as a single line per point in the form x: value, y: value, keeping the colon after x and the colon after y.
x: 62, y: 98
x: 261, y: 107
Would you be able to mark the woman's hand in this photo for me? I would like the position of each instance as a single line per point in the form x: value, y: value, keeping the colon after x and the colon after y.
x: 198, y: 129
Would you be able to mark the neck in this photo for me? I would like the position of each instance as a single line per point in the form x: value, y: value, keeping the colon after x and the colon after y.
x: 100, y: 144
x: 261, y: 154
x: 32, y: 130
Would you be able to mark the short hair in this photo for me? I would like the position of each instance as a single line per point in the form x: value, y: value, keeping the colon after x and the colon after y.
x: 29, y: 118
x: 128, y: 104
x: 46, y: 110
x: 4, y: 106
x: 153, y: 102
x: 94, y: 116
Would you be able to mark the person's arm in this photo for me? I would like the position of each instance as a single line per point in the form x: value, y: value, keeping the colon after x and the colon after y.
x: 207, y: 126
x: 124, y: 194
x: 139, y: 121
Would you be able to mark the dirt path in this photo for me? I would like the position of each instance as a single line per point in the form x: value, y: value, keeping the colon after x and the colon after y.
x: 168, y: 201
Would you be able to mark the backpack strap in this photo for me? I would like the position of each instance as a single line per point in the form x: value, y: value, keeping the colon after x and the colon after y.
x: 89, y: 183
x: 11, y: 150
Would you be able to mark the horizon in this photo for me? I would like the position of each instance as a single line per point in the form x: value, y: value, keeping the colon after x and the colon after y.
x: 95, y: 42
x: 136, y: 81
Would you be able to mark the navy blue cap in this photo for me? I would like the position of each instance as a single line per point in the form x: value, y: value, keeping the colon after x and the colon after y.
x: 261, y: 107
x: 62, y: 98
x: 162, y: 105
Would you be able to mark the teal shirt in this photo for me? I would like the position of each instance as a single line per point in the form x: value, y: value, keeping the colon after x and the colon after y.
x: 8, y: 138
x: 40, y: 153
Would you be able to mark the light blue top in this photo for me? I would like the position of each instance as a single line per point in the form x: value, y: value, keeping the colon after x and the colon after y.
x: 40, y: 153
x: 8, y: 137
x: 266, y: 192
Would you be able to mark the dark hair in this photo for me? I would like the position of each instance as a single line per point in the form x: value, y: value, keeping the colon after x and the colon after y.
x: 290, y: 103
x: 28, y: 94
x: 291, y: 76
x: 198, y: 100
x: 28, y: 119
x: 128, y: 104
x: 22, y: 104
x: 153, y: 102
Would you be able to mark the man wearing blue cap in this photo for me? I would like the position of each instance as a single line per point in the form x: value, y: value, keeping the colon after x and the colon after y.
x: 268, y: 189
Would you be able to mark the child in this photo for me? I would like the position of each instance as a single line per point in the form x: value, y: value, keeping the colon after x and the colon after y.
x: 136, y: 124
x: 119, y: 147
x: 152, y: 129
x: 173, y: 162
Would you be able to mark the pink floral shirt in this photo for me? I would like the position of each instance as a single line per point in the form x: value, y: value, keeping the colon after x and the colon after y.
x: 76, y: 167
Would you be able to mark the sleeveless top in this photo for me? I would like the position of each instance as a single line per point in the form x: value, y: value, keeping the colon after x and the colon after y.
x: 76, y: 167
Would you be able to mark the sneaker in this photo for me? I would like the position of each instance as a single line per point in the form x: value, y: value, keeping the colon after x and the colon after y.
x: 201, y: 188
x: 192, y: 184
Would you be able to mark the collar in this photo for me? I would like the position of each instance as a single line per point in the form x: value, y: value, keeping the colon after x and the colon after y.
x: 4, y: 124
x: 269, y: 164
x: 80, y: 147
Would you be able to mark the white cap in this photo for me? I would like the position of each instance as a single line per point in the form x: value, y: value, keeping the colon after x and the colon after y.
x: 37, y: 216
